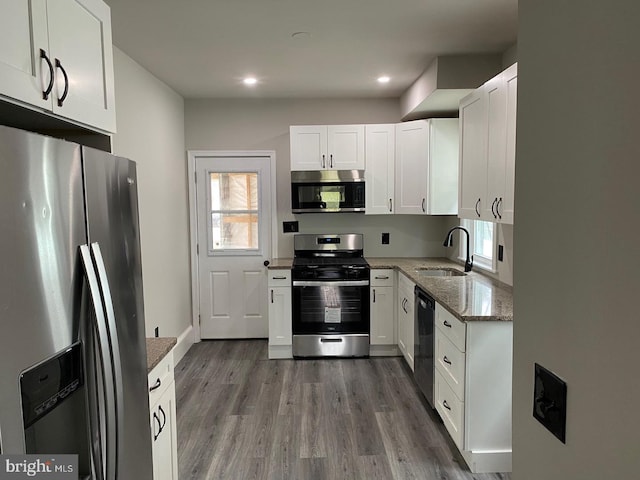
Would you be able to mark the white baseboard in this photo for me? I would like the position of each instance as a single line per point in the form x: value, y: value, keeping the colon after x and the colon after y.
x: 185, y: 341
x: 383, y: 351
x: 280, y: 351
x: 487, y: 462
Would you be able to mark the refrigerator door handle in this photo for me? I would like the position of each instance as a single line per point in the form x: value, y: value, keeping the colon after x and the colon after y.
x: 113, y: 339
x: 106, y: 364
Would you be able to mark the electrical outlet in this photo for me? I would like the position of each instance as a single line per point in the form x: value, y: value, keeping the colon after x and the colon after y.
x: 290, y: 227
x: 550, y: 401
x: 500, y: 253
x: 385, y: 239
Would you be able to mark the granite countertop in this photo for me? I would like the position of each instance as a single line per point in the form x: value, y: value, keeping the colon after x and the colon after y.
x: 472, y: 297
x: 157, y: 349
x: 280, y: 263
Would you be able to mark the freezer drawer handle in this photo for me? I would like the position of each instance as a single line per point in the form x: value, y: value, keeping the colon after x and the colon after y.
x: 156, y: 385
x: 331, y: 340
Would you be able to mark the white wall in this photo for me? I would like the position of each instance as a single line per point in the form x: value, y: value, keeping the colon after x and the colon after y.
x: 259, y: 124
x: 150, y: 123
x: 576, y: 266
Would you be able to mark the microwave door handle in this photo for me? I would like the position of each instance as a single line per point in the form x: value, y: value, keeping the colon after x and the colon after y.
x: 109, y: 437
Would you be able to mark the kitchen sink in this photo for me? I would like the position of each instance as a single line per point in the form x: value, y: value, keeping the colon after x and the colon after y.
x: 439, y: 272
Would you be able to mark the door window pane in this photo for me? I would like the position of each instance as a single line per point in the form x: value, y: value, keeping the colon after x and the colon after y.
x: 235, y: 219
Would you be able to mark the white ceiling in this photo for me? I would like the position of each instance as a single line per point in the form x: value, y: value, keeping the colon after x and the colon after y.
x: 203, y: 48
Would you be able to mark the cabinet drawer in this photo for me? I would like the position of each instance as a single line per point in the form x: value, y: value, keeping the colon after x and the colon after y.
x: 279, y: 278
x: 382, y: 277
x: 450, y: 408
x: 454, y: 329
x: 160, y: 378
x: 451, y: 363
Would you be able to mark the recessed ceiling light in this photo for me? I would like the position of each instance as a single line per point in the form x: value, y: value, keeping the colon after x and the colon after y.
x: 250, y: 81
x: 384, y: 79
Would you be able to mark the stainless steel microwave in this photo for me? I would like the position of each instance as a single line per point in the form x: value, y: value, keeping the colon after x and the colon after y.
x: 327, y: 191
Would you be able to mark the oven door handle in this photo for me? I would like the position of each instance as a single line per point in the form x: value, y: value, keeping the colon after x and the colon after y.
x: 339, y: 283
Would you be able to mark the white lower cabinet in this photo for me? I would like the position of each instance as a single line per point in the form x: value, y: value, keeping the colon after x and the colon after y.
x: 473, y: 363
x: 383, y: 338
x: 280, y: 337
x: 405, y: 308
x: 162, y: 406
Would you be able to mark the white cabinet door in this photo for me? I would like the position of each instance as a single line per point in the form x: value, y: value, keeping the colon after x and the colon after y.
x: 380, y: 171
x: 506, y: 207
x: 412, y: 156
x: 426, y: 180
x: 164, y: 436
x: 383, y: 325
x: 280, y: 316
x: 345, y: 145
x: 322, y: 147
x: 80, y: 42
x: 308, y: 147
x: 405, y: 319
x: 487, y: 150
x: 473, y: 155
x: 24, y: 76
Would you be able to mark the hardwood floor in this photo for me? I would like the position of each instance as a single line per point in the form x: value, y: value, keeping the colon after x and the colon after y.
x: 242, y: 416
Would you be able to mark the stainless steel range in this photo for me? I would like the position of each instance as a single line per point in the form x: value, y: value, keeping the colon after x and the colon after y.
x: 330, y: 305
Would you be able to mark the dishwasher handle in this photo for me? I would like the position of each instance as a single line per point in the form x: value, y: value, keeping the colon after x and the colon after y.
x: 424, y: 297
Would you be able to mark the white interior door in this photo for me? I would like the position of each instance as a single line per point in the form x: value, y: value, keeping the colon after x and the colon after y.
x: 233, y: 198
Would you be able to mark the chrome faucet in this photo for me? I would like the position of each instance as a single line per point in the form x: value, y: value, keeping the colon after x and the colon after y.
x: 448, y: 242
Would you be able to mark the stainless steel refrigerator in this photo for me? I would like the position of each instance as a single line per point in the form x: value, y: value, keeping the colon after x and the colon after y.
x: 73, y: 376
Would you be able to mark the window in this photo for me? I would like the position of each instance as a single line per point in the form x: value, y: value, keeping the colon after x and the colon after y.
x: 234, y: 211
x: 483, y: 243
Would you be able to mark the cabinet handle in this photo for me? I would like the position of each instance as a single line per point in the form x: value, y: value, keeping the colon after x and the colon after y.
x: 66, y: 83
x: 493, y: 204
x: 47, y: 91
x: 498, y: 208
x: 156, y: 386
x: 157, y: 419
x: 423, y: 200
x: 278, y: 278
x: 272, y: 295
x: 331, y: 161
x: 374, y: 295
x: 446, y: 405
x: 164, y: 418
x: 381, y: 277
x: 477, y: 211
x: 446, y: 360
x: 391, y: 205
x: 323, y: 161
x: 447, y: 324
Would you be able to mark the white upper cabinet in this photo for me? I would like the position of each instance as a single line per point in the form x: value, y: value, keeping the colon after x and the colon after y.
x: 23, y: 32
x: 322, y: 147
x: 380, y: 145
x: 426, y: 167
x: 57, y: 55
x: 487, y: 149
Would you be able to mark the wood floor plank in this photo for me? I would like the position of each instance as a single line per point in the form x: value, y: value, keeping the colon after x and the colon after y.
x: 242, y: 416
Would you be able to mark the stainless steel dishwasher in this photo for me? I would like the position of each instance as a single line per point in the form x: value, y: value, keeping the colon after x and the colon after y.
x: 424, y: 343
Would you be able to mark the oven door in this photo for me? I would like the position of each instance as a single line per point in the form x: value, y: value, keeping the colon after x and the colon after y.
x: 330, y: 307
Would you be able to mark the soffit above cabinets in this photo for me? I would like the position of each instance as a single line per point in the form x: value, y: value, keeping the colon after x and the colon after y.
x: 449, y: 78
